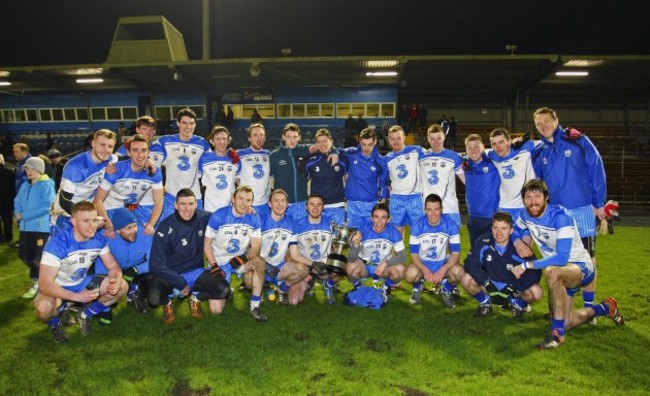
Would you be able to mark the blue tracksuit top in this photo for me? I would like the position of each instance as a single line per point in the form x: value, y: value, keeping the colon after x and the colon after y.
x: 572, y: 170
x: 484, y: 262
x: 368, y: 176
x: 178, y: 247
x: 482, y: 188
x: 326, y: 179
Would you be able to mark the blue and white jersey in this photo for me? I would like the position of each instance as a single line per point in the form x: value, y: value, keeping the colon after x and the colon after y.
x: 218, y: 177
x: 403, y: 170
x: 367, y: 175
x: 128, y: 187
x: 72, y: 258
x: 182, y: 162
x: 379, y: 246
x: 515, y: 169
x: 276, y: 238
x: 231, y: 235
x: 433, y: 242
x: 482, y: 183
x: 556, y: 235
x: 255, y: 171
x: 438, y: 176
x: 314, y: 239
x: 81, y: 178
x: 156, y: 153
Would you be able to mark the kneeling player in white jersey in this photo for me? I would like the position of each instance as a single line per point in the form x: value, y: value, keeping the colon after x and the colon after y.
x: 278, y: 239
x: 232, y: 245
x: 67, y: 258
x: 314, y: 237
x: 435, y: 252
x: 567, y: 263
x: 377, y: 251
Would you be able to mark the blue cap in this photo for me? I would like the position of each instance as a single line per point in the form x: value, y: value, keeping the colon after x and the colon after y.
x: 122, y: 217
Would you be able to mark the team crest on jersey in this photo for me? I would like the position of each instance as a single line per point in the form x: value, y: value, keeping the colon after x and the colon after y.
x: 193, y: 151
x: 545, y: 161
x: 244, y: 233
x: 323, y: 238
x: 516, y: 158
x: 143, y: 187
x: 408, y: 157
x: 567, y: 153
x: 372, y: 168
x: 336, y: 168
x: 356, y: 162
x: 486, y: 169
x: 200, y: 233
x: 443, y: 165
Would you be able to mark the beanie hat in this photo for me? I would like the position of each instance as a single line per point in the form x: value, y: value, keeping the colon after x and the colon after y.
x: 54, y: 153
x: 35, y: 163
x: 122, y: 217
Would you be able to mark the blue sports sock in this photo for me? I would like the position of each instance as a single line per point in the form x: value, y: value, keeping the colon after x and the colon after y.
x: 388, y: 283
x: 518, y: 302
x: 446, y: 286
x: 356, y: 283
x: 588, y: 298
x: 94, y: 308
x: 600, y: 310
x: 330, y: 283
x: 558, y: 324
x: 418, y: 285
x: 54, y: 321
x: 282, y: 285
x: 482, y: 298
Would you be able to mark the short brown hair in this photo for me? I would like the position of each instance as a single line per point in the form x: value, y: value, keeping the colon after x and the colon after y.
x: 473, y: 138
x: 219, y: 129
x: 135, y: 138
x: 83, y: 206
x: 545, y: 110
x: 395, y: 128
x: 368, y: 133
x: 291, y: 127
x: 323, y: 132
x: 255, y: 125
x: 435, y: 128
x: 107, y: 133
x: 502, y: 216
x: 500, y: 132
x: 145, y: 120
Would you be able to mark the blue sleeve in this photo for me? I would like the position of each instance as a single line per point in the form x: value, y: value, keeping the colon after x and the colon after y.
x: 473, y: 264
x: 158, y: 262
x: 383, y: 177
x: 596, y: 171
x: 561, y: 257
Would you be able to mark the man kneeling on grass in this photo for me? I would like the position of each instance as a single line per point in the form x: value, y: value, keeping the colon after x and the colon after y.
x: 63, y: 276
x: 487, y: 272
x: 232, y: 243
x: 567, y: 263
x: 177, y: 261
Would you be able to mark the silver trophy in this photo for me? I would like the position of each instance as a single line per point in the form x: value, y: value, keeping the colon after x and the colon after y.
x: 338, y: 257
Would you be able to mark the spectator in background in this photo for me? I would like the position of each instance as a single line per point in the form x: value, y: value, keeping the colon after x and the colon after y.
x: 32, y: 206
x: 55, y: 157
x: 413, y: 119
x: 423, y: 113
x: 256, y: 118
x: 350, y: 129
x: 230, y: 117
x: 220, y: 118
x: 7, y: 195
x: 21, y: 155
x: 121, y: 133
x: 403, y: 117
x: 451, y: 133
x: 49, y: 168
x: 360, y: 125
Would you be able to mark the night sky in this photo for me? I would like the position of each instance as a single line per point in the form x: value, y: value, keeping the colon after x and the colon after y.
x: 81, y: 31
